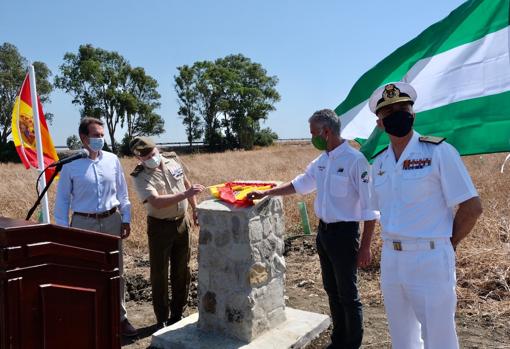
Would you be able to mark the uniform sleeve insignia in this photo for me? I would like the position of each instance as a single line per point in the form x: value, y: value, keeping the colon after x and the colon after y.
x: 432, y: 139
x: 364, y: 177
x: 137, y: 170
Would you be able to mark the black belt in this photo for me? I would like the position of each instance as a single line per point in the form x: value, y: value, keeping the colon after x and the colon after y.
x: 175, y: 219
x: 326, y: 226
x: 97, y: 215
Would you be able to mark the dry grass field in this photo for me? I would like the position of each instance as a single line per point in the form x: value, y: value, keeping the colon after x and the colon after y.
x: 483, y: 259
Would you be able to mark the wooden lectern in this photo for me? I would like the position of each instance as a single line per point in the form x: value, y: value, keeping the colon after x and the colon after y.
x: 59, y: 287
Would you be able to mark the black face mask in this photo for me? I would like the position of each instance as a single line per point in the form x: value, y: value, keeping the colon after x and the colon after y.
x: 399, y: 123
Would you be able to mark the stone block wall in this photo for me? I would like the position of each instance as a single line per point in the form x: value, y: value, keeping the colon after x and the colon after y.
x: 241, y: 269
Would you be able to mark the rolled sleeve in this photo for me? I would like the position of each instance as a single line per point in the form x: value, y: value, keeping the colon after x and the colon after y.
x: 456, y: 183
x: 63, y: 198
x: 305, y: 183
x: 144, y: 189
x: 361, y: 176
x: 122, y: 194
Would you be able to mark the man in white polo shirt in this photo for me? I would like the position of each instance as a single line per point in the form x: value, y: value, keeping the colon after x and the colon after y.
x: 341, y: 177
x: 418, y: 181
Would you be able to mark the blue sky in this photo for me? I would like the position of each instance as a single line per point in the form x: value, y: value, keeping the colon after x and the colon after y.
x: 317, y: 49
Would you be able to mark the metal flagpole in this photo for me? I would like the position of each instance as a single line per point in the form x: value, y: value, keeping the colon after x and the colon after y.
x: 37, y: 128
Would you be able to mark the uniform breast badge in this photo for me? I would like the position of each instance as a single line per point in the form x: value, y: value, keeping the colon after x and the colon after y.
x: 416, y: 164
x: 380, y: 172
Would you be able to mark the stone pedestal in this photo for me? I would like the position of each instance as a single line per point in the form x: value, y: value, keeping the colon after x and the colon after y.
x: 241, y: 269
x: 241, y: 278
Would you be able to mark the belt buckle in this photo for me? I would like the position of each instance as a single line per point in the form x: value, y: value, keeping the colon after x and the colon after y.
x: 397, y: 245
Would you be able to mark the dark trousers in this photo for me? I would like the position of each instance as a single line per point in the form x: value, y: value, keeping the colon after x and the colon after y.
x: 337, y: 246
x: 169, y: 241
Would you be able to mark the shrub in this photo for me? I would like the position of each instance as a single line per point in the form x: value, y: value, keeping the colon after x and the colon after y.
x: 265, y: 137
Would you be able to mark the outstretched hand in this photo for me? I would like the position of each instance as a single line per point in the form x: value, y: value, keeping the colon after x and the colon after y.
x: 256, y: 194
x: 194, y: 190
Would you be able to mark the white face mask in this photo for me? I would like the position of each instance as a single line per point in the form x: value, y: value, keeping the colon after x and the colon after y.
x: 153, y: 162
x: 96, y: 144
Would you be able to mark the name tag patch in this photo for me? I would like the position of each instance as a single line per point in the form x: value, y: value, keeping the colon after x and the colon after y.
x: 177, y: 172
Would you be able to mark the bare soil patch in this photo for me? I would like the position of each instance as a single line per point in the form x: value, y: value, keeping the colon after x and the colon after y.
x: 304, y: 291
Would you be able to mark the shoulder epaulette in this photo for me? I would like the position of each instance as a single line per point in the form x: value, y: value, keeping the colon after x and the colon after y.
x: 170, y: 154
x: 379, y: 152
x: 137, y: 170
x: 432, y: 139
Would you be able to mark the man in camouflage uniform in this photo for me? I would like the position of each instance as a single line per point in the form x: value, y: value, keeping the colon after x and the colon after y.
x: 165, y: 191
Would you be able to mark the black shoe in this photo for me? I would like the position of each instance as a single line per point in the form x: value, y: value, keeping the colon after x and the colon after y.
x: 126, y: 329
x: 173, y: 319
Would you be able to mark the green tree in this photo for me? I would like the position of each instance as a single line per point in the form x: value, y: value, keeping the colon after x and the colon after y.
x: 188, y: 99
x: 250, y: 96
x: 137, y: 103
x: 94, y: 77
x: 73, y: 142
x: 13, y: 68
x: 106, y: 87
x: 231, y: 95
x: 199, y: 91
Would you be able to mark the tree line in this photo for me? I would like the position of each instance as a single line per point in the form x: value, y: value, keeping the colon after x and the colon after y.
x: 221, y: 102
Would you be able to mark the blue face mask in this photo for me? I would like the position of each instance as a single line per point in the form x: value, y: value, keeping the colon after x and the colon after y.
x: 96, y: 144
x: 153, y: 162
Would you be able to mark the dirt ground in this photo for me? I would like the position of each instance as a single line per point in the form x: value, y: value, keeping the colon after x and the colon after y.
x: 303, y: 291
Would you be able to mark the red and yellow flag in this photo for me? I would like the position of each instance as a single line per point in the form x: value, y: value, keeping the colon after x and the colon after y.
x: 23, y: 132
x: 236, y: 192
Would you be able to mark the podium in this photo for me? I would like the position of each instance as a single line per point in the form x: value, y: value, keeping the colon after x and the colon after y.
x: 59, y: 287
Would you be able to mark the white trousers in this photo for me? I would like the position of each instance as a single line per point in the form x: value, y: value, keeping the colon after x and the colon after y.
x: 418, y: 287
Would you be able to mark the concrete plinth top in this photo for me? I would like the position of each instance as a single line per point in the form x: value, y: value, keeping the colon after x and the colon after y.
x: 222, y: 206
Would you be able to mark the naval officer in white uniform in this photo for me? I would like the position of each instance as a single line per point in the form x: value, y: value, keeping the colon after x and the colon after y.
x: 418, y: 182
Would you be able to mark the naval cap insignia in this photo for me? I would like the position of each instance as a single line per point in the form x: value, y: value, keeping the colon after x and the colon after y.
x: 390, y: 91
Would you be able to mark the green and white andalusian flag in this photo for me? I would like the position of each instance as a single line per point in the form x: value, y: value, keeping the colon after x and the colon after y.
x: 460, y: 68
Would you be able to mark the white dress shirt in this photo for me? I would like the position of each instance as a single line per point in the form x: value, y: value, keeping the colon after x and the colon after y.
x: 416, y: 195
x: 341, y: 178
x: 92, y: 186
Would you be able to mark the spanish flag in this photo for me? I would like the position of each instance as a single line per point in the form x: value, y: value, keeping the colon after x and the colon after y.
x: 23, y: 132
x: 236, y: 193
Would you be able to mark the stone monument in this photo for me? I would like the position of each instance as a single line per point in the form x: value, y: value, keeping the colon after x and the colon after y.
x: 241, y: 278
x: 241, y: 269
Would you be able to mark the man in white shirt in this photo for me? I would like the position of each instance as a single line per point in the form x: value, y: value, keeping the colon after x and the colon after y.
x: 340, y: 175
x: 95, y: 190
x: 418, y: 181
